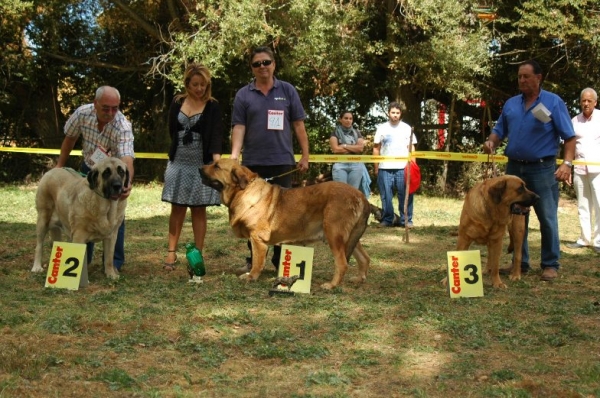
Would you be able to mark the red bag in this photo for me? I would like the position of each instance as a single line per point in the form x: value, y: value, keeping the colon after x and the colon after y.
x: 415, y: 176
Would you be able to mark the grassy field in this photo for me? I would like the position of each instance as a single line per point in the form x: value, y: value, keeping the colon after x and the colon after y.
x: 153, y: 334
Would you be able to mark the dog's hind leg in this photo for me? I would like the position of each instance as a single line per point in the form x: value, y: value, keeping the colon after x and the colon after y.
x: 338, y: 249
x: 41, y: 229
x: 363, y: 260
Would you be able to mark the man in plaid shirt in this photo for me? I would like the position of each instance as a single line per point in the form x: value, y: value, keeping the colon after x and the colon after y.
x: 105, y: 132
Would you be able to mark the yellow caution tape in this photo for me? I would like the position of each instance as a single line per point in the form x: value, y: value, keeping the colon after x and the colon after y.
x: 448, y: 156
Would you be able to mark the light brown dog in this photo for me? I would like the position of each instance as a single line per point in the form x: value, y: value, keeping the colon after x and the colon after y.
x: 268, y: 214
x: 83, y: 209
x: 486, y: 215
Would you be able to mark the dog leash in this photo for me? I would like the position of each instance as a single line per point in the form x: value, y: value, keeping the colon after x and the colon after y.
x: 280, y: 175
x: 492, y: 170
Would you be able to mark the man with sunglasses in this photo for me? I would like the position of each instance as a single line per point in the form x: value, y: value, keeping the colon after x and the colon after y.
x: 265, y: 112
x: 105, y: 131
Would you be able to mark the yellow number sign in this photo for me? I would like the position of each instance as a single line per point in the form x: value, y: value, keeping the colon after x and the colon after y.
x: 464, y: 274
x: 65, y: 265
x: 296, y: 260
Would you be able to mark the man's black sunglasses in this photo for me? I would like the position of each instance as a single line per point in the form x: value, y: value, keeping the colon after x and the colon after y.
x: 265, y: 62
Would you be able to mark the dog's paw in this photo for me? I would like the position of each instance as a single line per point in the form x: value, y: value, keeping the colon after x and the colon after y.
x: 357, y: 279
x: 37, y: 268
x: 112, y: 274
x: 248, y: 277
x: 327, y: 286
x: 499, y: 285
x: 515, y: 277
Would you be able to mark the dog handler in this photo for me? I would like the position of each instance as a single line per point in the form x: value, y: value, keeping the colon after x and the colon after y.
x: 533, y: 143
x: 105, y: 132
x: 265, y: 112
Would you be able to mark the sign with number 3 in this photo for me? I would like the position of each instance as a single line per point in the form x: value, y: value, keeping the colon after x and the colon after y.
x: 464, y: 274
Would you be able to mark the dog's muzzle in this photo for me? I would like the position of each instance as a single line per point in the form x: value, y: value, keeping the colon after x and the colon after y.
x: 206, y: 180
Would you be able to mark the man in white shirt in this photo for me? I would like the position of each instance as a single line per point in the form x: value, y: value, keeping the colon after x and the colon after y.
x: 587, y: 176
x: 393, y: 138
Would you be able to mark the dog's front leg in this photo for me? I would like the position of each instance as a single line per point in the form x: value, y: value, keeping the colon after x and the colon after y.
x: 259, y: 253
x: 108, y: 248
x: 493, y: 264
x: 517, y: 235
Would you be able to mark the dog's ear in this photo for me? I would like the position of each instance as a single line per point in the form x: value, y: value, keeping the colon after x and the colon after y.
x: 126, y: 184
x: 92, y: 178
x: 497, y: 190
x: 239, y: 177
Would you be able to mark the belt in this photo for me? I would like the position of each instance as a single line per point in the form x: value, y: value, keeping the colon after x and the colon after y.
x: 542, y: 160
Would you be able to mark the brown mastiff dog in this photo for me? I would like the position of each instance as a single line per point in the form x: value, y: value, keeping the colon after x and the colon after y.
x: 83, y: 209
x: 490, y: 208
x: 268, y: 214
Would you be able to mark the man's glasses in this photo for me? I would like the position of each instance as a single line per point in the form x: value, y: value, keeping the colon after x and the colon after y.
x: 265, y: 62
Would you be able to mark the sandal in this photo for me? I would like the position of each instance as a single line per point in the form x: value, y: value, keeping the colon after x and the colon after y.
x: 170, y: 266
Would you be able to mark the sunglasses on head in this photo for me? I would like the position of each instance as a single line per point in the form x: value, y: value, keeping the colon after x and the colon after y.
x: 265, y: 62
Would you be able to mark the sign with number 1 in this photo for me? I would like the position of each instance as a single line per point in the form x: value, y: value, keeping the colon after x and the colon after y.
x: 65, y: 265
x: 297, y: 260
x: 464, y: 274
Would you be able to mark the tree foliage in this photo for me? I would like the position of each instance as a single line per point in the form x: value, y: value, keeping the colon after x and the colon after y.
x: 340, y: 54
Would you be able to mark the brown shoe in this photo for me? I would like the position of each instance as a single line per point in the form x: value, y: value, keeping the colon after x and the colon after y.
x: 549, y: 274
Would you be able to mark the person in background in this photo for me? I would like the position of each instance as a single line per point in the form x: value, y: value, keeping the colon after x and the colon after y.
x: 393, y: 138
x: 196, y: 131
x: 105, y: 131
x: 586, y: 179
x: 533, y: 144
x: 265, y: 113
x: 346, y: 140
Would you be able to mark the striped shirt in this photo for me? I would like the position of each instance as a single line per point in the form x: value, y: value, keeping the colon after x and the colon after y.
x: 116, y: 138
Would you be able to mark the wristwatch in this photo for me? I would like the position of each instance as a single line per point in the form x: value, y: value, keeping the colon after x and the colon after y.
x: 567, y: 163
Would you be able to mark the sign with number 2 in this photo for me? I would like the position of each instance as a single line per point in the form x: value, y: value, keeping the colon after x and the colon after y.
x: 65, y: 265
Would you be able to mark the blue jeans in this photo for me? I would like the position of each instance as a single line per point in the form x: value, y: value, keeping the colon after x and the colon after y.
x: 539, y: 177
x: 388, y: 181
x: 349, y: 173
x: 119, y: 256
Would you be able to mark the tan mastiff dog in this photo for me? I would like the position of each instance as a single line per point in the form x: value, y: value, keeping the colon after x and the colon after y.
x: 490, y: 208
x: 268, y: 214
x: 83, y: 209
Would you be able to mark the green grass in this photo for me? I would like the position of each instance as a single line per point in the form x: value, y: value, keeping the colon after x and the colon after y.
x: 153, y: 334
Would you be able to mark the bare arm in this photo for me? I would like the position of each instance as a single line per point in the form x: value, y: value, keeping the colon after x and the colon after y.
x: 302, y: 138
x: 237, y: 140
x: 491, y: 144
x: 563, y: 172
x: 376, y: 148
x: 346, y: 148
x: 128, y: 160
x: 65, y: 150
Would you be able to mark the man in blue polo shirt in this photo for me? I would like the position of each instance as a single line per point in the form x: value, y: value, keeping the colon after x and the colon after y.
x: 534, y: 123
x: 264, y: 114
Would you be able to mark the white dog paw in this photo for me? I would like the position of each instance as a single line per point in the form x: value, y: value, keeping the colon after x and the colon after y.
x: 37, y: 269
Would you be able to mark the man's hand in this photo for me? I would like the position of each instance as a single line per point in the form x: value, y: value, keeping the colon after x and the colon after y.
x: 303, y: 164
x: 563, y: 173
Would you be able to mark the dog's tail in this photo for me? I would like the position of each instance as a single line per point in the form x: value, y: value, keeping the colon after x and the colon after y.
x: 376, y: 212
